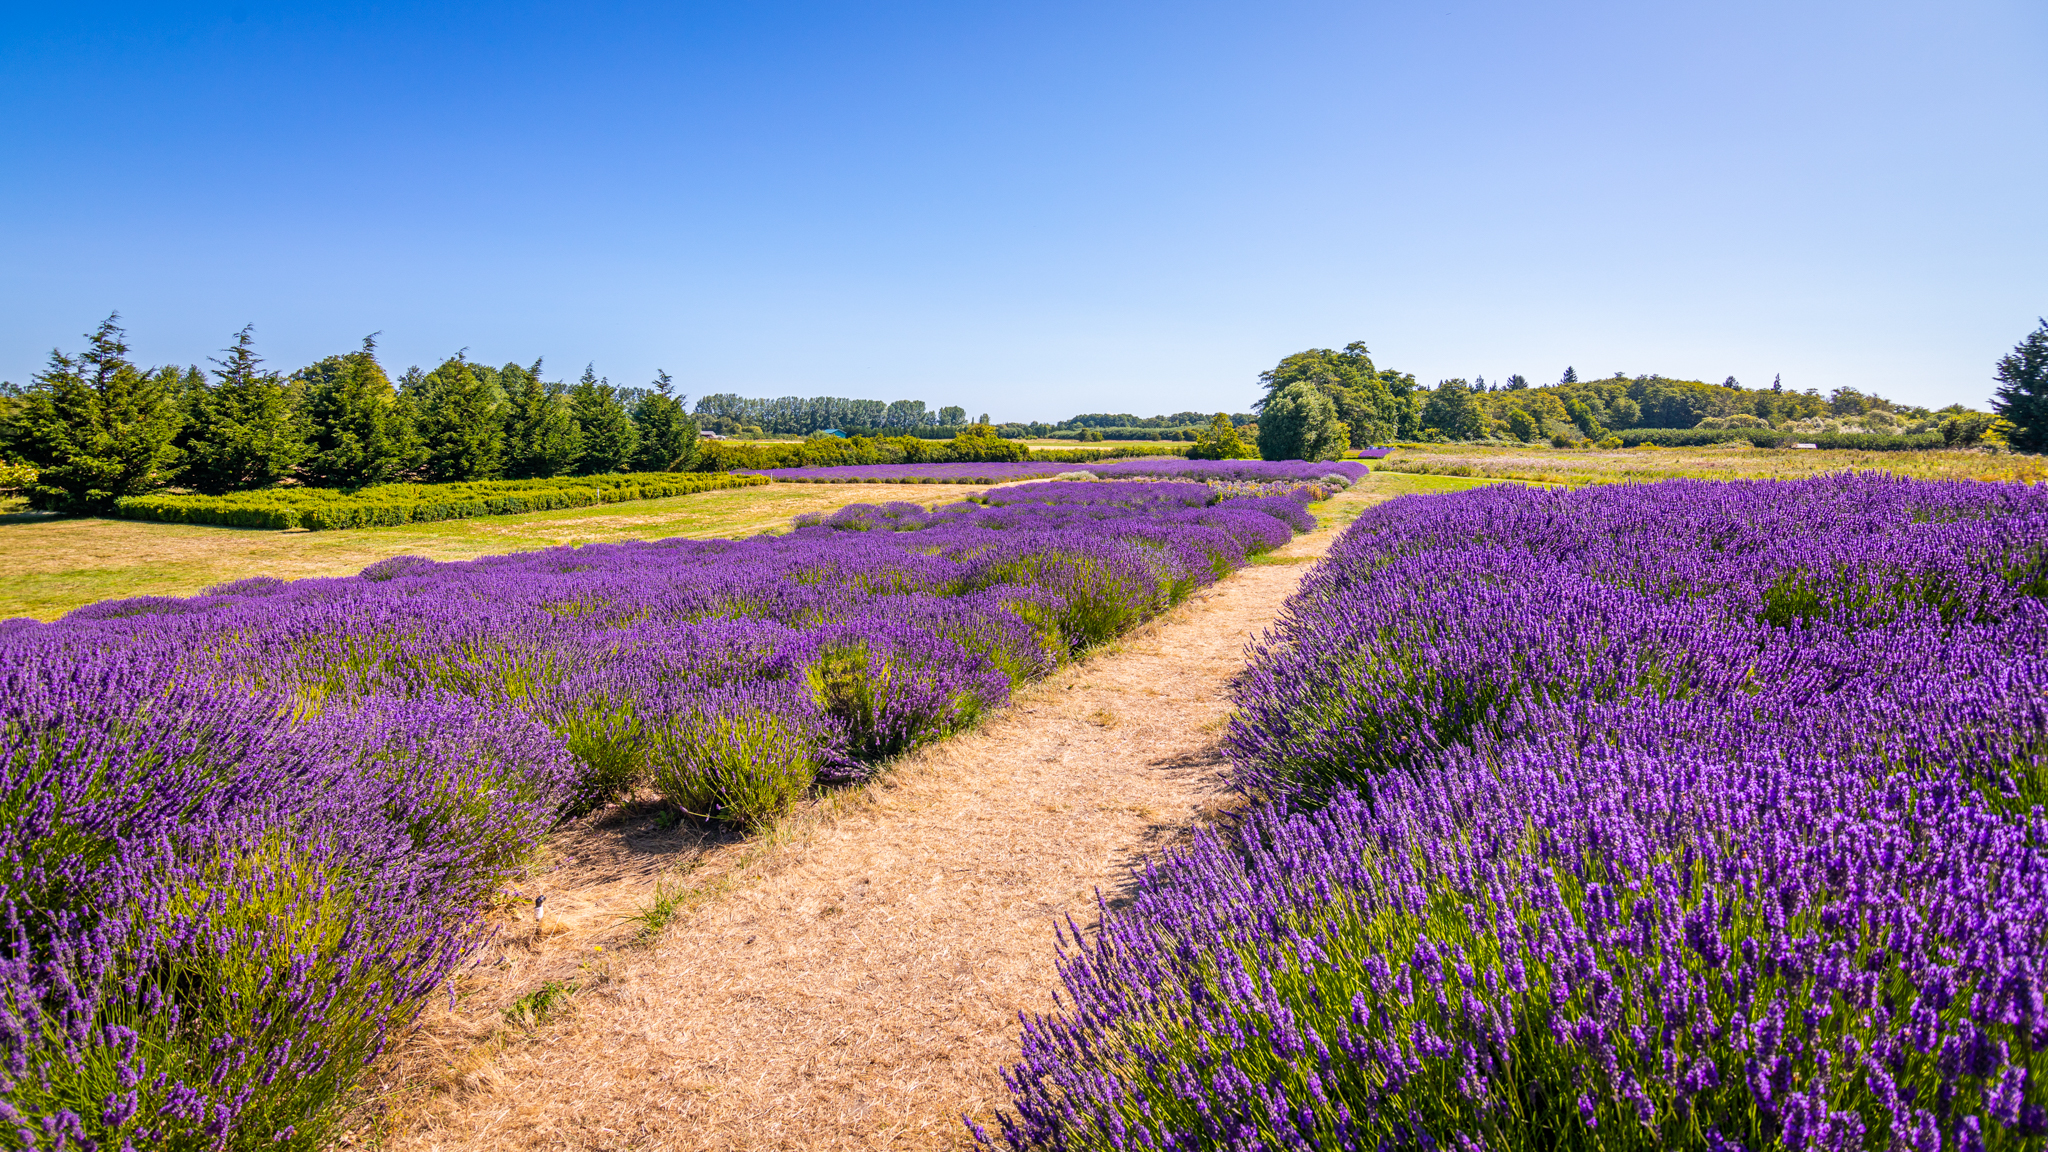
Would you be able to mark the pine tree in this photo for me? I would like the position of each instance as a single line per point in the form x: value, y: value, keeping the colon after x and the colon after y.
x: 357, y: 431
x: 459, y: 427
x: 609, y: 439
x: 541, y: 438
x: 240, y: 432
x: 666, y: 433
x: 2023, y: 391
x: 95, y: 427
x: 1569, y: 377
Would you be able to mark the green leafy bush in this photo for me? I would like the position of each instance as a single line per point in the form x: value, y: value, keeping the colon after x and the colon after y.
x: 390, y: 504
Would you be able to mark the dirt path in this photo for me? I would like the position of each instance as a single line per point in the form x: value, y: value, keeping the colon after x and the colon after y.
x: 857, y: 985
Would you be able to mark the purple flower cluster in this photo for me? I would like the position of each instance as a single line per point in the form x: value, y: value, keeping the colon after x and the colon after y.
x: 1688, y: 815
x: 1165, y: 468
x: 242, y: 835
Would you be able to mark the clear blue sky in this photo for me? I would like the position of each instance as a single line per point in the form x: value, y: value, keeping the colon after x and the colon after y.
x: 1034, y: 209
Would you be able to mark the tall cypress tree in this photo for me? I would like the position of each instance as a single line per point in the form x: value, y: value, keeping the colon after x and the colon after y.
x: 358, y: 433
x: 541, y: 438
x: 96, y: 427
x: 609, y: 440
x: 459, y: 427
x: 240, y: 432
x: 667, y: 435
x: 2023, y: 391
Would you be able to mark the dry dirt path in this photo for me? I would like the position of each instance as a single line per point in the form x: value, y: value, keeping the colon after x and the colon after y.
x: 859, y: 987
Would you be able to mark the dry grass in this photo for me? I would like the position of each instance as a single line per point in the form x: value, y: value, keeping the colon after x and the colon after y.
x: 1739, y: 460
x: 851, y: 980
x: 55, y: 564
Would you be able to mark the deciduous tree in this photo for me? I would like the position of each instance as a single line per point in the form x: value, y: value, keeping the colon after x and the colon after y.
x: 1299, y: 422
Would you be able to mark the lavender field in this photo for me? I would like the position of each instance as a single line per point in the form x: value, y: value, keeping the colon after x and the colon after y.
x: 1160, y: 468
x: 1686, y: 815
x: 244, y: 835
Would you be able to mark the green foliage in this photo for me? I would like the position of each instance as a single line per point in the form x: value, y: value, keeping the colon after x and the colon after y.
x: 359, y: 432
x: 604, y: 428
x: 744, y: 768
x: 458, y: 423
x: 834, y: 451
x: 533, y: 1009
x: 1771, y: 438
x: 1451, y: 412
x: 1521, y: 425
x: 1219, y: 441
x: 1299, y: 422
x: 391, y: 504
x: 95, y: 427
x: 1365, y: 398
x: 2023, y: 391
x: 240, y: 433
x: 1583, y: 417
x: 541, y: 438
x: 667, y: 434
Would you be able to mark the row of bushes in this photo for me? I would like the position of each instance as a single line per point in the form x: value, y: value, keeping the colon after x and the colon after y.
x: 1772, y: 438
x: 837, y: 452
x: 387, y: 505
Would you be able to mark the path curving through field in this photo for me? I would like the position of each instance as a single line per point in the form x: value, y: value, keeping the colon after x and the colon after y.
x: 857, y: 986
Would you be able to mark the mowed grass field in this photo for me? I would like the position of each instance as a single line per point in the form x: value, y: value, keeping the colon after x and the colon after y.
x: 53, y: 565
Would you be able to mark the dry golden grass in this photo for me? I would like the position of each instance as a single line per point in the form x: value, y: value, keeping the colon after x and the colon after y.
x: 852, y: 979
x: 1739, y: 460
x: 56, y: 564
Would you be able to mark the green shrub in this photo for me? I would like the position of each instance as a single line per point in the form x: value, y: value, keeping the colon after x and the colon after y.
x: 744, y: 768
x: 387, y: 505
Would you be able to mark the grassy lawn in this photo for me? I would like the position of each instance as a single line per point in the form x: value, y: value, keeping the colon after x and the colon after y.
x: 55, y: 564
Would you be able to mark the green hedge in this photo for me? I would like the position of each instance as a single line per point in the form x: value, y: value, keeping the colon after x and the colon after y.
x: 1087, y: 455
x: 1772, y: 438
x: 836, y: 452
x: 391, y: 504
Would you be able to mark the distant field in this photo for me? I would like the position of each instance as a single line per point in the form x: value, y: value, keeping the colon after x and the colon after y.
x: 1736, y: 461
x: 54, y: 565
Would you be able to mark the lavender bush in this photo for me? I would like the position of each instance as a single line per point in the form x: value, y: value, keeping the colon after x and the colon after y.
x: 244, y: 834
x: 1676, y: 816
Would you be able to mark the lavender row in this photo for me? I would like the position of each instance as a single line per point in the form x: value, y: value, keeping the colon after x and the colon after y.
x: 1165, y: 468
x: 1678, y: 816
x: 243, y: 834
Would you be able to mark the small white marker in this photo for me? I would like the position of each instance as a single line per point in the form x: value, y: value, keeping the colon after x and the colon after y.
x: 539, y: 907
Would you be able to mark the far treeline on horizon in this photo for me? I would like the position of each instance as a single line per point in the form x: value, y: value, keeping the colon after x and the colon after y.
x: 94, y: 426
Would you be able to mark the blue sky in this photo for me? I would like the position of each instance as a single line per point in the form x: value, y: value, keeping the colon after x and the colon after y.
x: 1038, y: 209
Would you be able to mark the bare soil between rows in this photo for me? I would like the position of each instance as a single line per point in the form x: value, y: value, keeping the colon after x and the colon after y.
x: 854, y: 979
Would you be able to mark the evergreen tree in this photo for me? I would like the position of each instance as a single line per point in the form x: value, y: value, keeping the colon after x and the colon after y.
x: 95, y: 427
x: 459, y: 427
x: 240, y: 433
x: 358, y: 433
x: 667, y: 436
x: 1300, y: 423
x: 541, y: 438
x: 609, y: 440
x: 1569, y: 377
x: 1451, y: 411
x: 2023, y: 391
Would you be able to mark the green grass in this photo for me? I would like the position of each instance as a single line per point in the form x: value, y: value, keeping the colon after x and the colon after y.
x: 55, y: 564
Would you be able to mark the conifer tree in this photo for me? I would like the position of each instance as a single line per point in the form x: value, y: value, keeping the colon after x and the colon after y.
x: 2023, y: 391
x: 459, y: 427
x: 358, y: 431
x: 95, y: 427
x: 540, y: 433
x: 1569, y: 377
x: 240, y: 432
x: 667, y: 435
x: 609, y: 440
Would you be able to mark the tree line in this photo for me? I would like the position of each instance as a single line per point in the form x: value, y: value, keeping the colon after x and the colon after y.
x: 1321, y: 400
x: 95, y: 426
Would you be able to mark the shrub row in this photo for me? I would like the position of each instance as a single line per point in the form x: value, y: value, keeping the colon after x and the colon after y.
x: 391, y: 504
